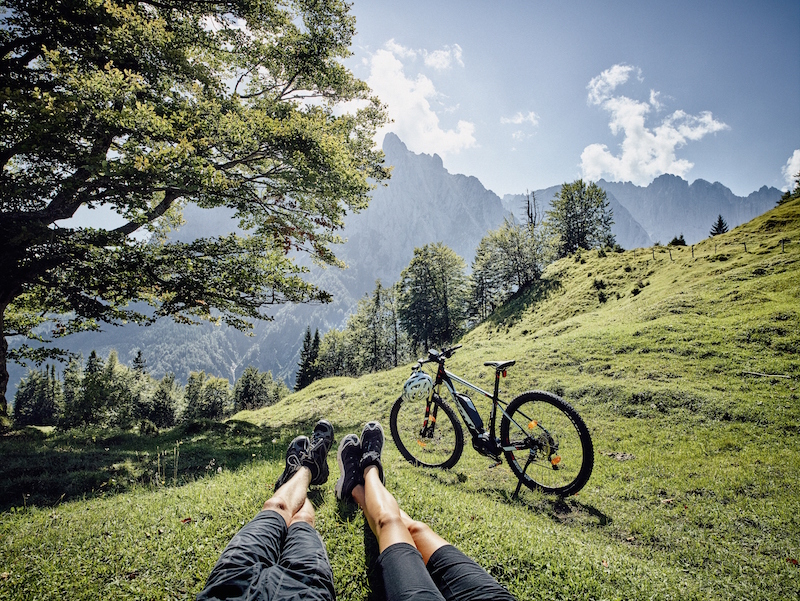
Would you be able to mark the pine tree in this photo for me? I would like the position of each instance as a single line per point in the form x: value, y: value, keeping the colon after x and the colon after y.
x: 139, y: 363
x: 309, y: 370
x: 162, y: 412
x: 304, y: 374
x: 720, y: 227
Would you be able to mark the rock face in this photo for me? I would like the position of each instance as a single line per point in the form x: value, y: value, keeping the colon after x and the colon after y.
x: 669, y: 206
x: 626, y: 229
x: 421, y: 203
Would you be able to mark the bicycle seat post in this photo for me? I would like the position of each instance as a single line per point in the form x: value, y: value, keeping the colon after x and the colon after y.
x: 496, y: 384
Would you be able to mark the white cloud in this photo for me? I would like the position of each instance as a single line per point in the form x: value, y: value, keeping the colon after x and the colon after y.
x: 520, y: 118
x: 646, y: 151
x: 409, y: 99
x: 600, y: 87
x: 399, y: 50
x: 444, y: 58
x: 791, y: 169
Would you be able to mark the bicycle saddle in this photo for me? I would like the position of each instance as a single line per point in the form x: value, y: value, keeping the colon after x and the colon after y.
x: 500, y: 365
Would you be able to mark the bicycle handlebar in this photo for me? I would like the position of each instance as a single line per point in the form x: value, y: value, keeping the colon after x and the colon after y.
x: 436, y: 356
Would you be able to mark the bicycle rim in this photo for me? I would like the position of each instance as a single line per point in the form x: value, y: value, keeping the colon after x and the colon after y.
x: 546, y: 443
x: 435, y: 440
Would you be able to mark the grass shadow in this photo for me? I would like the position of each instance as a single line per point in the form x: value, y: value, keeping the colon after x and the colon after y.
x: 44, y: 471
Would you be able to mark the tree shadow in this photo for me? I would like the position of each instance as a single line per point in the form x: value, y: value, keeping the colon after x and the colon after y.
x: 42, y: 471
x: 510, y: 312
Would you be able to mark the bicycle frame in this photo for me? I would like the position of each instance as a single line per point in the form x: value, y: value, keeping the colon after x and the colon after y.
x: 443, y: 376
x: 531, y: 427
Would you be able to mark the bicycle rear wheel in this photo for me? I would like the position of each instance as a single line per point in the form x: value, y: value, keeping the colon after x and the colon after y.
x: 546, y: 443
x: 427, y: 434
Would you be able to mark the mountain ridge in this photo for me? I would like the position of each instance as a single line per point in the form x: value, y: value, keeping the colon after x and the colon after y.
x: 422, y: 203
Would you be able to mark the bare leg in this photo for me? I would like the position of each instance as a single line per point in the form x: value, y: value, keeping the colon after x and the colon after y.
x: 381, y: 510
x: 291, y: 497
x: 425, y: 539
x: 304, y: 514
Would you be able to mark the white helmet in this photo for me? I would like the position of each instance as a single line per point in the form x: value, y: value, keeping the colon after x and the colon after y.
x: 418, y: 387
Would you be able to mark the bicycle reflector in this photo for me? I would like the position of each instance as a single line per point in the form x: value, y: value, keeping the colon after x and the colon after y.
x: 532, y: 424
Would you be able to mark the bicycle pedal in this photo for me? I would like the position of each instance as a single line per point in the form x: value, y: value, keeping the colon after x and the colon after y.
x: 499, y: 461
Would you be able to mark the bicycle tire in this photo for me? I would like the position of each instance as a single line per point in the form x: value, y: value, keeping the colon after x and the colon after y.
x: 441, y: 446
x: 546, y: 443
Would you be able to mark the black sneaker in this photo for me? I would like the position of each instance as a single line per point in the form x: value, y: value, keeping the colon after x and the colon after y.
x: 350, y: 476
x: 298, y: 449
x: 371, y: 446
x: 316, y: 459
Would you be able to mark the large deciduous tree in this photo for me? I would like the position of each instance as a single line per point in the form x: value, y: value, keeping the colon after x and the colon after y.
x: 507, y: 259
x: 140, y: 107
x: 580, y: 217
x: 432, y: 299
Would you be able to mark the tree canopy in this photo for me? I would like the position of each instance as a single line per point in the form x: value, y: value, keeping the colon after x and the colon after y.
x: 580, y: 217
x: 139, y: 108
x: 432, y: 298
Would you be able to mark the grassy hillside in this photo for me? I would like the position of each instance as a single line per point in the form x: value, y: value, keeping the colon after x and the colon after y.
x: 685, y: 368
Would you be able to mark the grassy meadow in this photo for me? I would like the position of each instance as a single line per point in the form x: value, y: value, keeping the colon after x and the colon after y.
x: 684, y: 363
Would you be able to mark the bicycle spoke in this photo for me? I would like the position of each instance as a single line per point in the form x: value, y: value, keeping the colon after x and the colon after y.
x: 547, y: 430
x: 438, y: 444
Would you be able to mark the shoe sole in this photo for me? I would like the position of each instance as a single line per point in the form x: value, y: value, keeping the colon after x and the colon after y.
x: 340, y: 481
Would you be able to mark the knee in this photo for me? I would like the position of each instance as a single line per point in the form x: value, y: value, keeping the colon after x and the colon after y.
x: 389, y: 520
x: 417, y: 528
x: 306, y: 514
x: 277, y: 504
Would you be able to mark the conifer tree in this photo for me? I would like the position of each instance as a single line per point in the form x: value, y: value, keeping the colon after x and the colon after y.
x: 720, y: 227
x: 308, y: 357
x: 139, y: 363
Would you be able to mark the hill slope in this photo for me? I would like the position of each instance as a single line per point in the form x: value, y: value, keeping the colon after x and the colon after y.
x: 689, y: 387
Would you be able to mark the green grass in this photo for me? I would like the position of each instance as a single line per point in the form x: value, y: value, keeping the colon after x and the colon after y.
x: 689, y: 387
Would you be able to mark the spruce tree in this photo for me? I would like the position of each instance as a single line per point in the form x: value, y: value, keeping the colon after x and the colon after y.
x: 308, y: 368
x: 303, y: 377
x: 720, y: 227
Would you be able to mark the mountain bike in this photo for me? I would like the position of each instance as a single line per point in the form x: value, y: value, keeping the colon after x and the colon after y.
x: 545, y: 442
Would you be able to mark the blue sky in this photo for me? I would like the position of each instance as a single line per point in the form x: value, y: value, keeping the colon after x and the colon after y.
x: 529, y: 94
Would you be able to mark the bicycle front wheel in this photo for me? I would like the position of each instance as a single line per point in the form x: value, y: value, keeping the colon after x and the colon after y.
x: 546, y: 443
x: 427, y: 434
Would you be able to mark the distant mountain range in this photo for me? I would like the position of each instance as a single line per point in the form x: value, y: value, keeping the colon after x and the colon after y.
x: 668, y: 207
x: 421, y: 203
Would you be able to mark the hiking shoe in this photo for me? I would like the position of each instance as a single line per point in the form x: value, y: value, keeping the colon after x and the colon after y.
x: 316, y: 458
x: 298, y: 449
x: 371, y: 446
x: 350, y: 476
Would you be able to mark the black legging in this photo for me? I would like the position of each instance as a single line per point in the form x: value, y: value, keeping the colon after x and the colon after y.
x: 450, y: 576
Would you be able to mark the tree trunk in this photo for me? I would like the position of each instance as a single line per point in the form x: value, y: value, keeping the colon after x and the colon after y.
x: 4, y: 377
